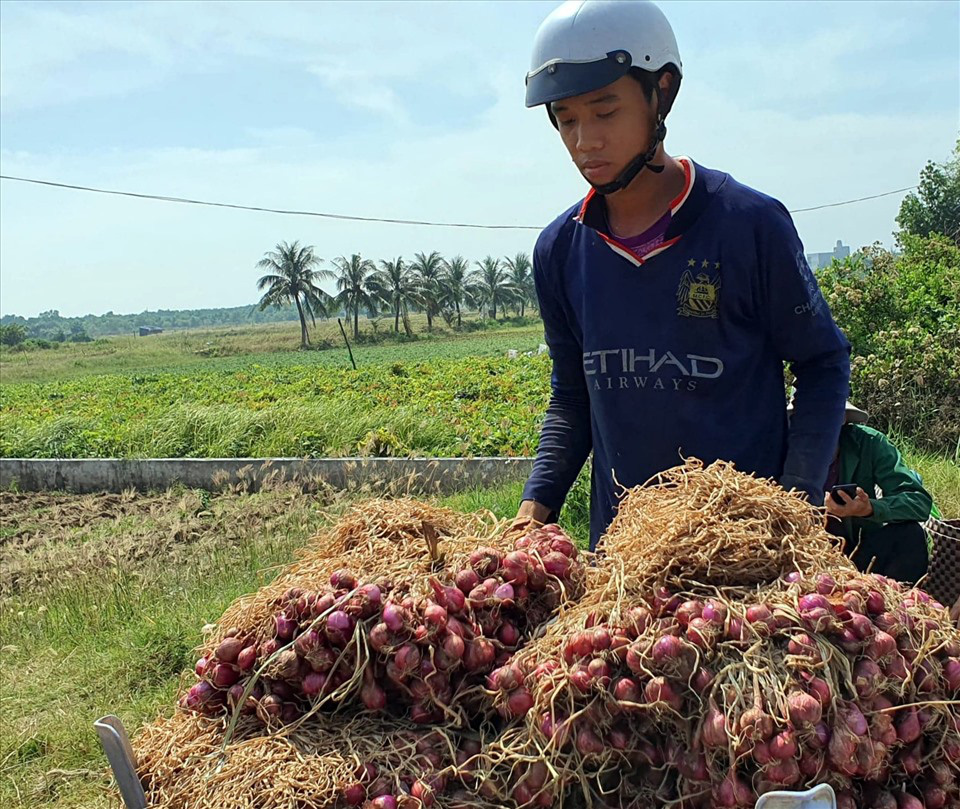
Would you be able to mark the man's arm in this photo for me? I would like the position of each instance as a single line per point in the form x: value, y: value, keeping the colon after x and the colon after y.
x: 904, y: 498
x: 805, y: 335
x: 565, y: 438
x: 822, y: 386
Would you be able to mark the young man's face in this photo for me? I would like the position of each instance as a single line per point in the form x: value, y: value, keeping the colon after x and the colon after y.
x: 605, y: 129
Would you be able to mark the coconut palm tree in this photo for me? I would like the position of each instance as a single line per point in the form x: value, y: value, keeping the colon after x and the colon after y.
x: 489, y: 284
x: 356, y: 290
x: 293, y: 277
x: 396, y: 287
x: 455, y: 284
x: 429, y: 273
x: 521, y: 278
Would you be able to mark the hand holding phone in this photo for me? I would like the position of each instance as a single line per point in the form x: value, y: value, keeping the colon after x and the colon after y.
x: 848, y: 500
x: 849, y: 489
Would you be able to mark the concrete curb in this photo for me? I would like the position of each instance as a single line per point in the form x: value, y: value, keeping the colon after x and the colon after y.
x: 85, y: 475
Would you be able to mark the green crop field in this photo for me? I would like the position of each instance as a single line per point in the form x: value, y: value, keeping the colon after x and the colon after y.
x: 231, y: 348
x: 450, y: 395
x: 478, y: 405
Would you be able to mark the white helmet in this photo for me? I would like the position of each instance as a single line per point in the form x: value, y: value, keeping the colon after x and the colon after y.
x: 584, y: 45
x: 587, y: 44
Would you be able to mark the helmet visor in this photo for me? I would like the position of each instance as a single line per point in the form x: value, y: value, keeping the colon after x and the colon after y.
x: 557, y: 80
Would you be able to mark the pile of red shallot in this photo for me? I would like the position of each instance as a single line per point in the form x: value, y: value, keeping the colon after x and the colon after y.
x: 710, y: 698
x: 423, y: 656
x: 720, y: 648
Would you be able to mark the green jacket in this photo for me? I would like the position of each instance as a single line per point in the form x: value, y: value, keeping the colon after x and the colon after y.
x: 868, y: 459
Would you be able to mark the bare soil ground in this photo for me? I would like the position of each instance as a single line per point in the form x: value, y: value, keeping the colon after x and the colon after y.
x: 48, y: 538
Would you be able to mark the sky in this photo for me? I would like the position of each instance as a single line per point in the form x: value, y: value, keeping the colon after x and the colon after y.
x: 413, y: 110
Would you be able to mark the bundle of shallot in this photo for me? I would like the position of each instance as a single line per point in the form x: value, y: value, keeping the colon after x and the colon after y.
x: 384, y: 642
x: 711, y: 697
x: 715, y: 525
x: 361, y: 762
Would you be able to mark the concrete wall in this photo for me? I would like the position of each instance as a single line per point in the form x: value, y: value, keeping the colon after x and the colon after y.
x: 439, y: 475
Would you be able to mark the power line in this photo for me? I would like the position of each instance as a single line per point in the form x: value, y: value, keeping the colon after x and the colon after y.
x: 270, y: 210
x: 351, y: 218
x: 850, y: 201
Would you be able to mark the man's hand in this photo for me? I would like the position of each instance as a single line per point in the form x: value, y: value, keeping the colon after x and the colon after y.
x: 530, y: 515
x: 846, y: 506
x: 955, y: 613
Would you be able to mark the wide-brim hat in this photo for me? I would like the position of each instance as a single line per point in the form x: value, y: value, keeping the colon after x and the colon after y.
x: 851, y: 413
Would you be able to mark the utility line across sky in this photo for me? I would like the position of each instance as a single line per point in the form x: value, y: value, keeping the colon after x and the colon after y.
x: 348, y: 217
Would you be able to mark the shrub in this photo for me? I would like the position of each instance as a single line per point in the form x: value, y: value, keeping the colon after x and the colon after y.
x: 901, y: 314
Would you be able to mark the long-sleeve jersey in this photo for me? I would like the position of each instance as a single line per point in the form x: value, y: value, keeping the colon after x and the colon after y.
x: 680, y: 352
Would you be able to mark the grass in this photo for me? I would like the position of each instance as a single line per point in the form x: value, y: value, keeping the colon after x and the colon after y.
x: 940, y: 473
x: 136, y: 398
x: 233, y: 347
x: 112, y: 635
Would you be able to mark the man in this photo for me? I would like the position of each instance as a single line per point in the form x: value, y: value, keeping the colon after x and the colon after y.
x: 885, y: 531
x: 671, y: 294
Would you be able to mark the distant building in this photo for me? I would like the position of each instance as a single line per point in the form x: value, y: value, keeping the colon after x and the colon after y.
x: 818, y: 260
x: 145, y: 331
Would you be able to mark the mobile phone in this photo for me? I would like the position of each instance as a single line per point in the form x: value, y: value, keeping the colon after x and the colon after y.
x: 849, y: 489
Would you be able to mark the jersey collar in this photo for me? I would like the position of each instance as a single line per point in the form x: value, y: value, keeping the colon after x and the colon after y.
x: 591, y: 215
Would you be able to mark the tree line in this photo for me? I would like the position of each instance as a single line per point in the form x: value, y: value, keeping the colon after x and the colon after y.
x: 430, y: 283
x: 50, y: 327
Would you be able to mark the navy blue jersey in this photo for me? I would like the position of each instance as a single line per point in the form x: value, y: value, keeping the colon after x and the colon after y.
x: 680, y: 352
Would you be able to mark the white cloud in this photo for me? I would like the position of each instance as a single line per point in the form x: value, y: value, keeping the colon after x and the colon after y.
x: 52, y: 55
x: 361, y: 89
x: 808, y: 68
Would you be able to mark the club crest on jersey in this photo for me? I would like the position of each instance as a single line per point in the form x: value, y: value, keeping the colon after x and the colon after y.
x: 698, y: 295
